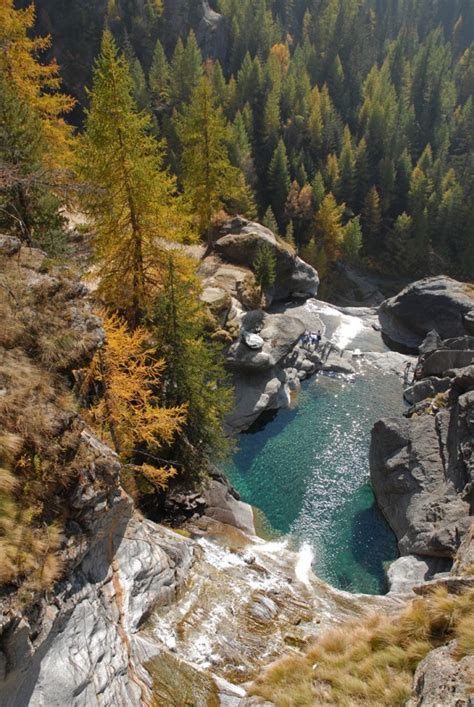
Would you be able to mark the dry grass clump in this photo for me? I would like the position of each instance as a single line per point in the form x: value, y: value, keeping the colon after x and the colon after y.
x: 40, y: 435
x: 372, y: 660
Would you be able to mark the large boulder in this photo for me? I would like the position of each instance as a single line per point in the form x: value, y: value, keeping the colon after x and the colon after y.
x: 439, y: 303
x: 278, y: 333
x: 421, y: 471
x: 256, y: 392
x: 239, y: 243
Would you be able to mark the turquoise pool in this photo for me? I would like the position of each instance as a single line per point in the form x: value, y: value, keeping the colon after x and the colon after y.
x: 307, y: 470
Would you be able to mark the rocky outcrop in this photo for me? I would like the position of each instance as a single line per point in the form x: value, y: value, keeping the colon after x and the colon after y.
x: 238, y: 244
x: 83, y: 647
x: 439, y: 303
x: 212, y: 34
x: 442, y: 679
x: 422, y: 467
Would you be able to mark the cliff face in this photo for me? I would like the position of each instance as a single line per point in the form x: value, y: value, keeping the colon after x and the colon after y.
x: 422, y: 467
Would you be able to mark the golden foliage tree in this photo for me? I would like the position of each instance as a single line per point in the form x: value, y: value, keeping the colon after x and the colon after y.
x: 127, y: 410
x: 129, y: 196
x: 209, y: 179
x: 37, y: 84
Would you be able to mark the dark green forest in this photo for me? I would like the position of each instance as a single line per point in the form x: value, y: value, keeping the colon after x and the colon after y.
x: 352, y: 120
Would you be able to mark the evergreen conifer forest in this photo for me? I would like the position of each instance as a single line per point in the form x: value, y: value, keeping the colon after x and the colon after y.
x: 366, y: 102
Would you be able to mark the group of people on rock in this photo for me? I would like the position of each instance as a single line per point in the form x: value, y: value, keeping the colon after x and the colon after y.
x: 310, y: 339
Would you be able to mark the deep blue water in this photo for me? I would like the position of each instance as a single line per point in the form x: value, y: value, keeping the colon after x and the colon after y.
x: 307, y: 471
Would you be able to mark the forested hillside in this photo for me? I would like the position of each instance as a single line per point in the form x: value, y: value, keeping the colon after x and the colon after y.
x: 351, y: 120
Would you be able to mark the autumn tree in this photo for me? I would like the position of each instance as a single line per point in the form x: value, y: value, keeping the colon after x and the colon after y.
x: 327, y: 229
x: 126, y: 410
x: 209, y: 179
x: 299, y: 209
x: 36, y: 84
x: 28, y: 206
x: 127, y: 193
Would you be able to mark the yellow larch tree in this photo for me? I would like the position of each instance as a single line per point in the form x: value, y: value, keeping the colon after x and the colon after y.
x: 127, y: 409
x: 37, y: 84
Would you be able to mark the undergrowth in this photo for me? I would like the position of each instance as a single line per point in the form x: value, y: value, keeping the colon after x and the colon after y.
x: 372, y: 661
x: 40, y: 438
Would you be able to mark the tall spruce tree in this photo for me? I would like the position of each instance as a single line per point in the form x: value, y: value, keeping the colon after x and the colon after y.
x: 195, y: 372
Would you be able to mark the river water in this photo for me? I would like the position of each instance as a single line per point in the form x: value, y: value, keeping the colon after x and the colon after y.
x: 306, y: 469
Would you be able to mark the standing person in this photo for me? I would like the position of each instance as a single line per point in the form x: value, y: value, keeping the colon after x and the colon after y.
x: 318, y: 337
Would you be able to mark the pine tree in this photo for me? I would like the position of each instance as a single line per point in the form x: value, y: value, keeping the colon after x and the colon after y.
x: 195, y: 371
x: 240, y: 150
x: 319, y: 190
x: 219, y: 85
x: 159, y: 76
x: 279, y: 183
x: 333, y: 175
x: 399, y: 245
x: 185, y: 71
x: 269, y: 221
x: 209, y: 179
x: 128, y: 195
x: 176, y: 73
x: 347, y: 165
x: 28, y: 208
x: 418, y: 202
x: 271, y: 121
x: 372, y: 223
x: 264, y: 267
x: 315, y: 122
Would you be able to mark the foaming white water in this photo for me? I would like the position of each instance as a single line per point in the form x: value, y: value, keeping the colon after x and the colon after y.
x: 273, y: 548
x: 304, y: 563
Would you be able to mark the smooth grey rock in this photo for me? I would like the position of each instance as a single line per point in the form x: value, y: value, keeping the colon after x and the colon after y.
x: 442, y: 680
x: 427, y: 388
x: 253, y: 341
x: 212, y: 33
x: 221, y: 504
x: 439, y: 303
x: 430, y: 343
x: 441, y: 361
x: 409, y: 571
x: 279, y: 334
x: 255, y: 392
x: 469, y: 322
x: 419, y: 482
x: 85, y: 655
x: 239, y: 244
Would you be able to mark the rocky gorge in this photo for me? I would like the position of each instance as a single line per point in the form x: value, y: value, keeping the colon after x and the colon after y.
x: 146, y: 614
